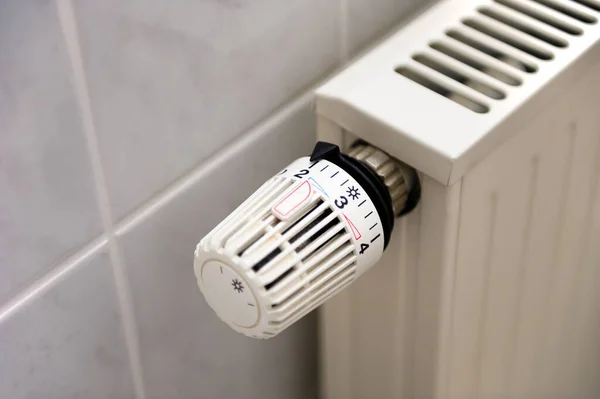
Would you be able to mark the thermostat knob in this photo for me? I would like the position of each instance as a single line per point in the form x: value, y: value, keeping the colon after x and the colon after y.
x: 303, y: 236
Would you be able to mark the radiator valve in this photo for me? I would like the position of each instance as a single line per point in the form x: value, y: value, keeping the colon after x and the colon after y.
x: 303, y: 236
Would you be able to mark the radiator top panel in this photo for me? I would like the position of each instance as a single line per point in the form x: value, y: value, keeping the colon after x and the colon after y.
x: 445, y: 90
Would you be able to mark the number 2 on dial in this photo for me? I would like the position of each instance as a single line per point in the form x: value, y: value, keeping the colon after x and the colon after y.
x: 301, y: 173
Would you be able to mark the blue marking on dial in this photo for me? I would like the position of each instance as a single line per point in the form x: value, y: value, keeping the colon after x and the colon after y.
x: 317, y: 186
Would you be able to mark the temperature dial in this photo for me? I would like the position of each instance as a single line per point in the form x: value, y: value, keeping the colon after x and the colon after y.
x: 303, y: 236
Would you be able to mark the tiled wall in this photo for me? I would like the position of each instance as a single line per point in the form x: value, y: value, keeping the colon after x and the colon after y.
x: 128, y: 129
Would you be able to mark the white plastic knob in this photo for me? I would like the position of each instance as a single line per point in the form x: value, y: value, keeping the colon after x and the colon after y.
x: 303, y: 236
x: 298, y: 240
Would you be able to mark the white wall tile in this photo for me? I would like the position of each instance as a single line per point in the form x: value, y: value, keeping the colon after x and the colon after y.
x: 187, y: 352
x: 171, y: 82
x: 67, y: 342
x: 369, y: 19
x: 47, y: 199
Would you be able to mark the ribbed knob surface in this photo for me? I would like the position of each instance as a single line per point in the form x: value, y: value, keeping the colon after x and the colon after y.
x: 302, y: 237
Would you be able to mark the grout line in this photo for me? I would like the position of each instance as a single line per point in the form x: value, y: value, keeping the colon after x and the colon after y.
x: 45, y: 282
x: 209, y: 164
x: 343, y: 31
x: 69, y: 27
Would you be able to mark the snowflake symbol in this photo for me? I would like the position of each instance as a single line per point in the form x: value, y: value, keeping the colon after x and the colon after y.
x: 237, y: 285
x: 353, y: 192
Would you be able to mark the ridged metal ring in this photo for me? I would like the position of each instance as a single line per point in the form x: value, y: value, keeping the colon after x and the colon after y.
x: 396, y: 175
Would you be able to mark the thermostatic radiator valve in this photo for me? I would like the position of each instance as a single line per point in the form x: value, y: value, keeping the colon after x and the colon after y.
x: 303, y: 236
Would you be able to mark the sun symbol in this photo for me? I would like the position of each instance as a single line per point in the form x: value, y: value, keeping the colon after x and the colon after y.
x: 237, y: 285
x: 353, y: 192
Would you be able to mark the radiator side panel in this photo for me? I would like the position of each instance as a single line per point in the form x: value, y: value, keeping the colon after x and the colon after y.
x: 525, y: 320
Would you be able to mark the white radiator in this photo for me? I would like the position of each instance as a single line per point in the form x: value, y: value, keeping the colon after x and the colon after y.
x: 491, y: 288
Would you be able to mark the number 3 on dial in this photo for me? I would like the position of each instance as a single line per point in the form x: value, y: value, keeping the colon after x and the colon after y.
x: 341, y: 202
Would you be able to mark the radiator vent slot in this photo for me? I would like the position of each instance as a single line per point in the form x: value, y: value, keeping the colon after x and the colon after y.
x: 569, y: 11
x: 476, y: 64
x: 459, y: 77
x: 440, y: 89
x: 593, y: 4
x: 509, y: 38
x: 524, y: 27
x: 525, y: 9
x: 490, y: 51
x: 520, y: 64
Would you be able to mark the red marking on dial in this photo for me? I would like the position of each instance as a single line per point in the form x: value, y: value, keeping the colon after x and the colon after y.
x: 355, y: 231
x: 294, y: 199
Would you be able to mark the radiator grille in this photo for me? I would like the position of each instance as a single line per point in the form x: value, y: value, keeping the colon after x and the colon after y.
x: 536, y: 30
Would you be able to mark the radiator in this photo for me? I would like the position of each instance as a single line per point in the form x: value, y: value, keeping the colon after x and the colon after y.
x: 491, y: 287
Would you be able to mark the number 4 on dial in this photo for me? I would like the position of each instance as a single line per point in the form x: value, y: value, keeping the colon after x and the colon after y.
x: 363, y: 248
